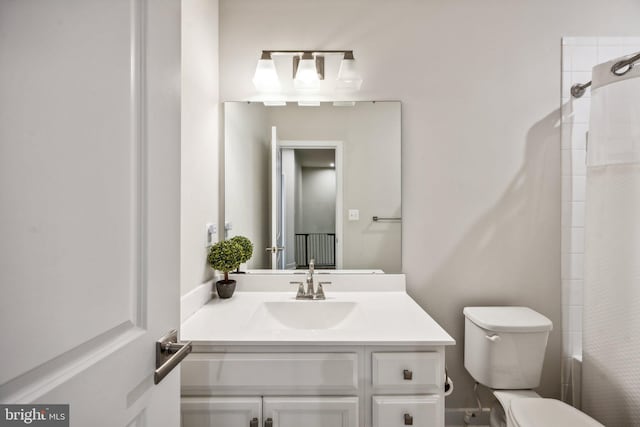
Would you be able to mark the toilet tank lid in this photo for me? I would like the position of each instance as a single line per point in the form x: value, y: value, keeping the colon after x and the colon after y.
x: 508, y: 319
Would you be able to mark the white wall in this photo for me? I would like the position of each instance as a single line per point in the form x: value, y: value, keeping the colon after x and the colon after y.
x: 318, y: 200
x: 480, y: 87
x: 199, y: 154
x: 247, y: 149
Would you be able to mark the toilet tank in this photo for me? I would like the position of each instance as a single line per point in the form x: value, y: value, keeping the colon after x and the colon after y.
x: 504, y: 346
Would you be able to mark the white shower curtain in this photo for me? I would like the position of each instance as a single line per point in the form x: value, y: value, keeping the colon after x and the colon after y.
x: 611, y: 328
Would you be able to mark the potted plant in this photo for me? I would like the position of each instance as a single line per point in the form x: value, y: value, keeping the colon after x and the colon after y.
x: 225, y: 256
x: 247, y: 249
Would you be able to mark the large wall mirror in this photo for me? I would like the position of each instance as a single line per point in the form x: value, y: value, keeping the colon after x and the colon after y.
x: 320, y: 183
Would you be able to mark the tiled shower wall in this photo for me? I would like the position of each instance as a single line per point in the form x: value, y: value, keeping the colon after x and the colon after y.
x: 579, y: 55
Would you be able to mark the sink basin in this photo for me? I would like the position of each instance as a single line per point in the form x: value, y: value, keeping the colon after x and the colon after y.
x: 305, y: 315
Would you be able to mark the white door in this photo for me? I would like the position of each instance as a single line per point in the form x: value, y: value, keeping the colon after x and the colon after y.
x: 310, y: 411
x: 89, y: 206
x: 277, y: 235
x: 221, y: 412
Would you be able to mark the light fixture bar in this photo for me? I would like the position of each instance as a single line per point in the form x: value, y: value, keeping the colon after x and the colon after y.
x: 303, y: 52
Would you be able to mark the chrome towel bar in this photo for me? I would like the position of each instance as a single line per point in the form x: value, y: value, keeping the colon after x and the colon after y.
x: 380, y: 219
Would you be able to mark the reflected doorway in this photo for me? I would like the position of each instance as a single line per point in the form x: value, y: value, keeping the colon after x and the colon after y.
x: 309, y: 200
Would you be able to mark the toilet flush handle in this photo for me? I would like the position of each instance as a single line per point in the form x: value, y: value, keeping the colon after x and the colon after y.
x: 494, y: 338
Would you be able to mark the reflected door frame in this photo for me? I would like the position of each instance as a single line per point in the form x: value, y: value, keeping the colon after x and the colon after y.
x: 337, y: 146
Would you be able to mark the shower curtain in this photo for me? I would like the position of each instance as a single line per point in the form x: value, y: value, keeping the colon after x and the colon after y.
x: 611, y: 327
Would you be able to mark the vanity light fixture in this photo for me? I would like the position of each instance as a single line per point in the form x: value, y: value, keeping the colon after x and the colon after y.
x: 265, y: 78
x: 348, y: 76
x: 344, y: 103
x: 308, y: 103
x: 276, y: 103
x: 307, y: 73
x: 308, y: 70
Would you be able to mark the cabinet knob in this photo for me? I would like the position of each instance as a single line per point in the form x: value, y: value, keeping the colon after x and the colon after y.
x: 408, y: 420
x: 407, y: 374
x: 268, y: 422
x: 254, y: 422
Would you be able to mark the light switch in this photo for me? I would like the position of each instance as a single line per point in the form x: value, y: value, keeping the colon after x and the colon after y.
x: 354, y: 215
x: 211, y: 230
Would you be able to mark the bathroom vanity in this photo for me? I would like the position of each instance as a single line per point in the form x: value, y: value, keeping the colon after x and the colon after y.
x: 368, y: 355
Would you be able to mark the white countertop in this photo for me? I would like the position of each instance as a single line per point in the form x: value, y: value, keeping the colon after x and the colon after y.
x: 380, y: 318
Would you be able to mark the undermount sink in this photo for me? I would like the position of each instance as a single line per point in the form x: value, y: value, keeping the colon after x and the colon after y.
x: 305, y: 315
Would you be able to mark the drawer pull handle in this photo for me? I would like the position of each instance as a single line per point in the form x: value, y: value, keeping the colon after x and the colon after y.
x: 408, y: 420
x: 268, y: 422
x: 407, y: 374
x: 254, y: 422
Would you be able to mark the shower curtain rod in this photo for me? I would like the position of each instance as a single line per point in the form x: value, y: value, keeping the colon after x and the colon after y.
x: 578, y: 89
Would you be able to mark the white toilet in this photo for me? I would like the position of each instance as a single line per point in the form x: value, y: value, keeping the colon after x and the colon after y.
x: 504, y: 350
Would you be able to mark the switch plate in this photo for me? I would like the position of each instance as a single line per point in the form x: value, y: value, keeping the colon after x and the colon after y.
x: 210, y: 232
x: 354, y: 215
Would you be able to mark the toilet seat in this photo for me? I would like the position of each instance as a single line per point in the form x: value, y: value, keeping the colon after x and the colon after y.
x: 538, y: 412
x: 506, y: 396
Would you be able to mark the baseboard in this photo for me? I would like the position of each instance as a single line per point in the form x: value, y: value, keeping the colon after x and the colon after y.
x: 193, y: 300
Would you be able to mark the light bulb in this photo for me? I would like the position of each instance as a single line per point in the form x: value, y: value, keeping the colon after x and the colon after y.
x: 307, y: 75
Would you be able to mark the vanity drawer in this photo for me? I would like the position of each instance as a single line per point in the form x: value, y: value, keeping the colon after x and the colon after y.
x: 269, y: 373
x: 410, y: 370
x: 399, y: 411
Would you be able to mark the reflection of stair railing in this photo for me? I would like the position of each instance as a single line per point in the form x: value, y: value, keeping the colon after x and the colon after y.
x: 318, y: 246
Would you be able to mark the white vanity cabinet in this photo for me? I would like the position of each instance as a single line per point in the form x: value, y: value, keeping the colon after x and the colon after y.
x: 367, y: 356
x: 310, y: 411
x: 221, y: 411
x: 282, y: 411
x: 313, y: 386
x: 406, y: 410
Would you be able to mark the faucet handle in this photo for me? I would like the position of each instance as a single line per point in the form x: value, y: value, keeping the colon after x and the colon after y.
x: 320, y: 292
x: 300, y: 288
x: 312, y: 264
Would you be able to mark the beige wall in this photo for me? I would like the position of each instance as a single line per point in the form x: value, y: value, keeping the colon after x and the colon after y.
x: 480, y: 87
x: 199, y: 154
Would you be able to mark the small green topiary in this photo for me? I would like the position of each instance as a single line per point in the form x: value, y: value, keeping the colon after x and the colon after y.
x: 225, y: 256
x: 247, y: 247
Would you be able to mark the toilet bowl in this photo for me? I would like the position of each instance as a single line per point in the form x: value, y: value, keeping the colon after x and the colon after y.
x: 504, y: 351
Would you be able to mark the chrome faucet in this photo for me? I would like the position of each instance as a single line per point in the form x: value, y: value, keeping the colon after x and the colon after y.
x: 310, y: 292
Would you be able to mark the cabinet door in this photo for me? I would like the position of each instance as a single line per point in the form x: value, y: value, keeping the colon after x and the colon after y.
x: 221, y: 411
x: 311, y: 411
